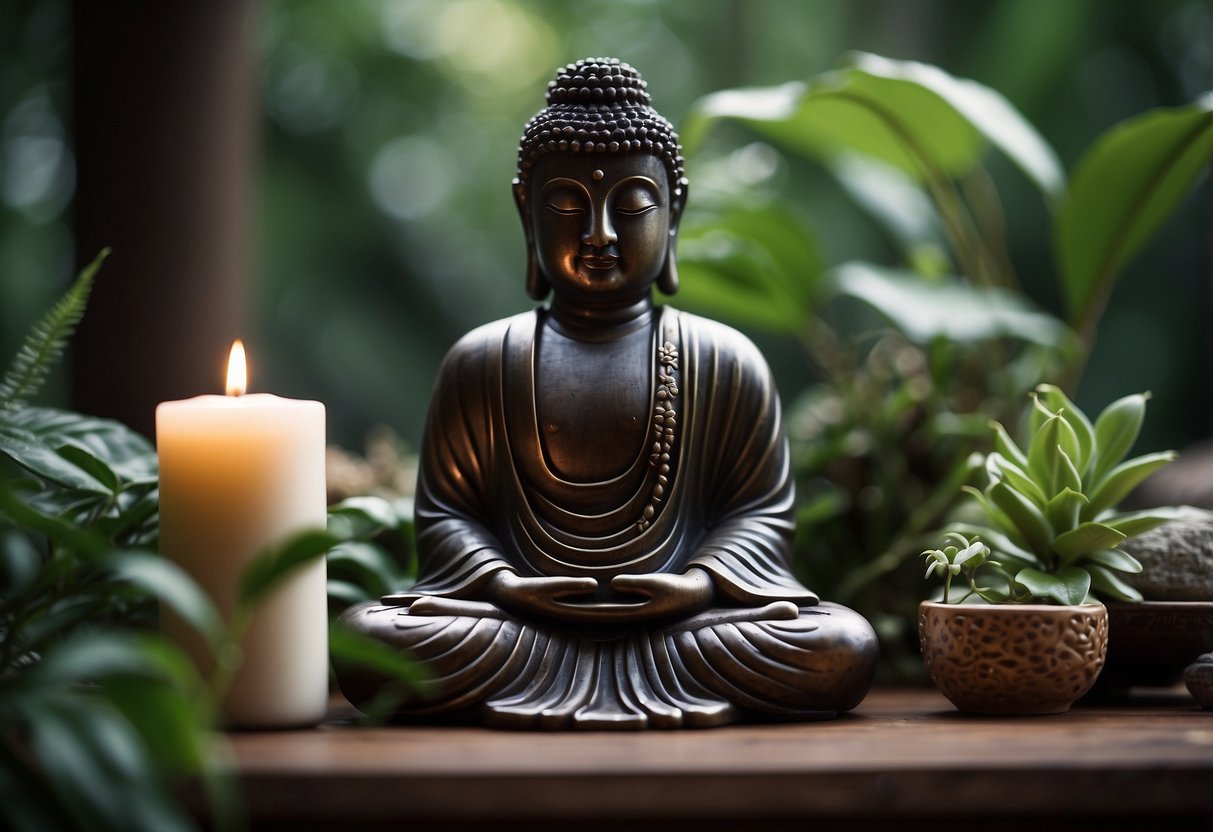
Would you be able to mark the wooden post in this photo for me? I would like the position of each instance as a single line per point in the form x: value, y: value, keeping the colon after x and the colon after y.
x: 165, y: 139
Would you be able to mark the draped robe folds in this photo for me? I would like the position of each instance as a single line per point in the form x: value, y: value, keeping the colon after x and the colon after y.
x: 489, y: 500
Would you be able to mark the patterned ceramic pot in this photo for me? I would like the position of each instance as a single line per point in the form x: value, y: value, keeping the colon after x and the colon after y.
x: 1013, y: 658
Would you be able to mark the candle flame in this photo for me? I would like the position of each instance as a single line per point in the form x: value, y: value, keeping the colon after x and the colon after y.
x: 237, y: 370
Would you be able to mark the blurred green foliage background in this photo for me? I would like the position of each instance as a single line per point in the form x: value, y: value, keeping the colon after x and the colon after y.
x: 389, y: 138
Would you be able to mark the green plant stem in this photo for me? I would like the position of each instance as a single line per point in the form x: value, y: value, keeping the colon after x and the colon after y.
x: 967, y: 243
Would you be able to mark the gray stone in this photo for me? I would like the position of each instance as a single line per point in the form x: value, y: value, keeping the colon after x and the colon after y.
x: 1177, y: 559
x: 1199, y: 679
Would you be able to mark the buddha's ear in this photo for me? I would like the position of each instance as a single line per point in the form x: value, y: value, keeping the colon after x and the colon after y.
x: 667, y: 281
x: 536, y: 284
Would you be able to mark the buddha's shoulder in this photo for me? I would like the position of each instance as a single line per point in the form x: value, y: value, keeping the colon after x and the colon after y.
x: 487, y: 341
x: 723, y: 341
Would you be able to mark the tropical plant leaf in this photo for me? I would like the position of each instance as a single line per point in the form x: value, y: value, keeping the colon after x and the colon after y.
x: 1065, y: 586
x: 947, y: 308
x: 272, y: 566
x: 1121, y: 191
x: 45, y: 462
x: 910, y: 115
x: 47, y: 339
x: 167, y: 582
x: 125, y: 452
x: 362, y: 516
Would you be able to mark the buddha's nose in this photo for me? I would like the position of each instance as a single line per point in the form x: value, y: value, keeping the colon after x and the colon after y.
x: 600, y: 233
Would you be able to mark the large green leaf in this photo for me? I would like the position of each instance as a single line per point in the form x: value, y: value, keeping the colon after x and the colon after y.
x: 749, y: 260
x: 1122, y: 190
x: 270, y: 567
x: 911, y: 115
x: 926, y: 310
x: 1124, y: 478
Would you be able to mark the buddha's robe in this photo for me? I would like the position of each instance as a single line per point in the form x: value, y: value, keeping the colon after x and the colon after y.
x: 710, y: 488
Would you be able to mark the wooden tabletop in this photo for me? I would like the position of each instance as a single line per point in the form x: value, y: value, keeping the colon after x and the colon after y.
x: 902, y: 760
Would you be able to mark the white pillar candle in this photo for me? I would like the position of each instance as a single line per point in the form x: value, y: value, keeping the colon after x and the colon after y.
x: 240, y: 473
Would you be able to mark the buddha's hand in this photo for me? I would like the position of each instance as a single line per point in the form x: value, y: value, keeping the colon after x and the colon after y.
x: 537, y: 596
x: 667, y: 595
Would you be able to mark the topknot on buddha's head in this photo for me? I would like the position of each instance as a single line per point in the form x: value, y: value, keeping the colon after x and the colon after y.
x: 599, y: 105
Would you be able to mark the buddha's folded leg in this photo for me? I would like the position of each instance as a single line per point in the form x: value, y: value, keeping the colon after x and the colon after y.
x: 464, y: 658
x: 814, y: 665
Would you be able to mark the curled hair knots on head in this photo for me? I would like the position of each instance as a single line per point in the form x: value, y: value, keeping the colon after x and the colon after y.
x: 600, y: 105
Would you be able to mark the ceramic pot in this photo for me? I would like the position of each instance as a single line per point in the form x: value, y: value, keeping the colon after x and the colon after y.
x: 1013, y: 658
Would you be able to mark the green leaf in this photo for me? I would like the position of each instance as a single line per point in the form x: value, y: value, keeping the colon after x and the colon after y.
x: 952, y: 309
x: 45, y: 462
x: 1124, y: 478
x: 1050, y: 456
x: 1116, y: 429
x: 1065, y: 586
x: 1087, y: 537
x: 1007, y: 447
x: 1122, y: 190
x: 756, y: 266
x: 1063, y: 510
x: 367, y: 516
x: 99, y: 767
x: 269, y: 568
x: 899, y: 205
x: 1134, y: 523
x: 167, y: 582
x: 907, y: 114
x: 999, y: 467
x: 47, y: 339
x: 125, y: 452
x: 1117, y: 559
x: 367, y: 565
x: 1058, y: 402
x: 1028, y: 519
x: 1108, y: 585
x: 19, y: 563
x: 62, y: 532
x: 88, y: 463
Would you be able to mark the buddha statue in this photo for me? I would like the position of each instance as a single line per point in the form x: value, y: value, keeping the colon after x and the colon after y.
x: 604, y: 503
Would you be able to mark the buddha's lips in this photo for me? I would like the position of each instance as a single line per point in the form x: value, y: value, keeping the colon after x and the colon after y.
x: 600, y: 261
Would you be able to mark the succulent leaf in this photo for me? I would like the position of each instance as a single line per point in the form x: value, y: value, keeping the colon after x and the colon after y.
x: 1062, y: 511
x: 1060, y: 403
x: 1085, y: 538
x: 1028, y: 520
x: 1007, y: 447
x: 1116, y: 430
x: 1124, y: 478
x: 1110, y: 585
x: 1065, y: 586
x: 1117, y: 559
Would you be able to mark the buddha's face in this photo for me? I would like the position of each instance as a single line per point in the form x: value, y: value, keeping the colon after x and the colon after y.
x: 601, y: 223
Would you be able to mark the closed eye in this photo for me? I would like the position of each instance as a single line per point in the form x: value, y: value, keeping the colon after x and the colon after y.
x: 564, y: 210
x: 635, y: 212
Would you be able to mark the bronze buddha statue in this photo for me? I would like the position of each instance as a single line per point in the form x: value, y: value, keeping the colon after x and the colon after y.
x: 604, y: 504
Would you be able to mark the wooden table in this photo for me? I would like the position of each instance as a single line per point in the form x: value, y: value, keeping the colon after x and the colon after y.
x: 903, y: 760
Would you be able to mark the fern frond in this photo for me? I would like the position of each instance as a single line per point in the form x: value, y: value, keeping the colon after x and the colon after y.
x: 46, y: 340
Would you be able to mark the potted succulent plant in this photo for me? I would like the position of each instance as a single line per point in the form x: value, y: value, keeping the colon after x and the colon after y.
x: 1028, y: 634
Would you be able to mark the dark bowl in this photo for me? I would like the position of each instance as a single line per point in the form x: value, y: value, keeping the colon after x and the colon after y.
x: 1150, y: 644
